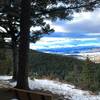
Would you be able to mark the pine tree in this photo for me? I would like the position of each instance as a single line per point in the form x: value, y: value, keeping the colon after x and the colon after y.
x: 87, y: 75
x: 41, y: 10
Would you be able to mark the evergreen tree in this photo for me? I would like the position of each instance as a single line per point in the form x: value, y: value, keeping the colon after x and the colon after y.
x: 88, y: 74
x: 40, y: 11
x: 10, y: 21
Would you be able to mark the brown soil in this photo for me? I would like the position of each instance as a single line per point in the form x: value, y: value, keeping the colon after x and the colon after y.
x: 5, y: 94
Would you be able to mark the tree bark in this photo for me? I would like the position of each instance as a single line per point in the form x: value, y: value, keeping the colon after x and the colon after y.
x: 22, y: 77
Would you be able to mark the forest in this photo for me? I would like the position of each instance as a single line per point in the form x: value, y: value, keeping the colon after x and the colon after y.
x: 83, y: 74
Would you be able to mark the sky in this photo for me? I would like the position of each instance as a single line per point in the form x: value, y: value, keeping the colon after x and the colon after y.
x: 88, y: 22
x: 83, y: 31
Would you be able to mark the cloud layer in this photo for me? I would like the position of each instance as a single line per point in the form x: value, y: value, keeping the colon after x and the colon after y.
x: 88, y: 22
x: 78, y: 35
x: 67, y: 44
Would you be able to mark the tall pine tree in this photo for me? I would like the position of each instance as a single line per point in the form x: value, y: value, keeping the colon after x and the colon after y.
x: 34, y: 13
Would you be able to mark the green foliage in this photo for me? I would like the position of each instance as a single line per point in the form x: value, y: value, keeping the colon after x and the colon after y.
x: 85, y: 74
x: 5, y: 62
x: 41, y: 11
x: 41, y: 65
x: 2, y: 54
x: 47, y: 64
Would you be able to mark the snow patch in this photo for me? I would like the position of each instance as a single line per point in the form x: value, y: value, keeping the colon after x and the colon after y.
x: 5, y: 77
x: 67, y: 90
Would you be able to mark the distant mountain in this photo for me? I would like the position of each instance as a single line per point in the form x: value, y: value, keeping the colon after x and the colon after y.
x: 72, y: 50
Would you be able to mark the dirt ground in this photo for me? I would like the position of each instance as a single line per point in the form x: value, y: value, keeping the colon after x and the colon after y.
x: 5, y: 94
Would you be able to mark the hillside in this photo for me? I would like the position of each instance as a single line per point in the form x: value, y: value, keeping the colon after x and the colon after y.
x: 58, y: 67
x: 65, y: 68
x: 49, y: 63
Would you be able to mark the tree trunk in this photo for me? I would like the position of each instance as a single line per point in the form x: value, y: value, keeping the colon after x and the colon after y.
x: 22, y: 77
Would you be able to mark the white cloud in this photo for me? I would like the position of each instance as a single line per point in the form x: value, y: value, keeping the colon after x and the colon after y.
x: 50, y: 43
x: 82, y: 31
x: 57, y: 28
x: 53, y: 43
x: 84, y: 39
x: 93, y: 34
x: 78, y: 17
x: 82, y: 22
x: 85, y: 22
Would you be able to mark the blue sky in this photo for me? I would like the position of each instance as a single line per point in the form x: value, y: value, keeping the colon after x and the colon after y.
x: 82, y: 31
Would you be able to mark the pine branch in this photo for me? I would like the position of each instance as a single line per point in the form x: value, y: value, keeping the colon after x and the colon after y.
x: 43, y: 12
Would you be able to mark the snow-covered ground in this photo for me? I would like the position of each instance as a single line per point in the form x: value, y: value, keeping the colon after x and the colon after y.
x: 67, y: 90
